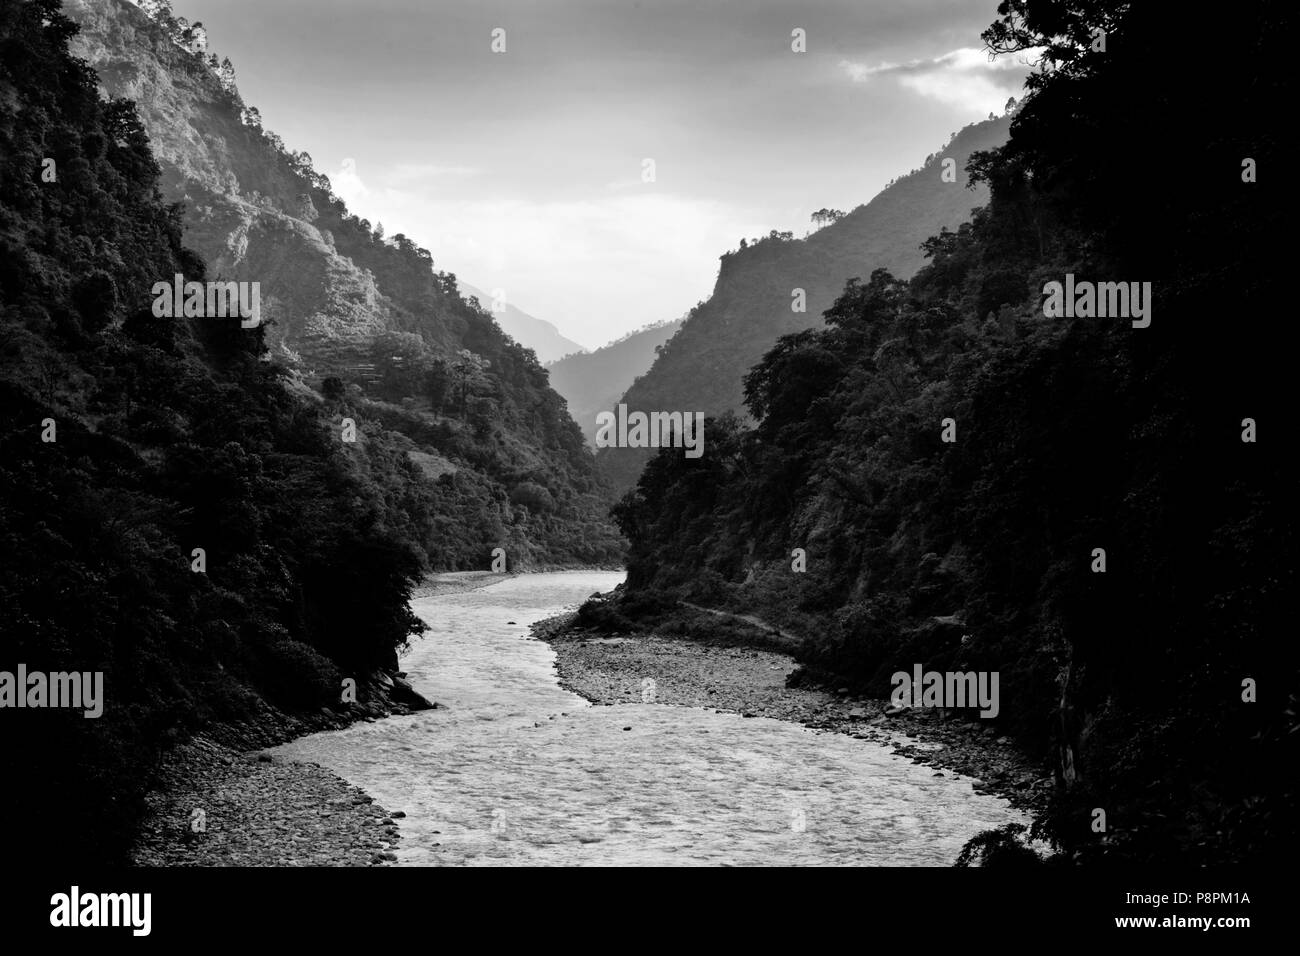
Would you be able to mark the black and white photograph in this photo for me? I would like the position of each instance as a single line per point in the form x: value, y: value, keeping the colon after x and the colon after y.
x: 646, y: 435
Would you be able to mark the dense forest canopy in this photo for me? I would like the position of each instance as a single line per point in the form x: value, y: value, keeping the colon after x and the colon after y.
x: 951, y: 460
x: 187, y: 517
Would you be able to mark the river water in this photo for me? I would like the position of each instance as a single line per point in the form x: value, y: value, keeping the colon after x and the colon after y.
x: 516, y: 770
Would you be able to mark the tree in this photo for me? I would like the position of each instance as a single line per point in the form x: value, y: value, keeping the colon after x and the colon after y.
x: 333, y: 389
x: 399, y: 359
x: 469, y: 374
x: 824, y: 217
x: 438, y: 382
x: 533, y: 496
x: 482, y: 412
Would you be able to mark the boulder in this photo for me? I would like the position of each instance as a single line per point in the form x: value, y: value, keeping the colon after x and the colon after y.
x: 403, y: 693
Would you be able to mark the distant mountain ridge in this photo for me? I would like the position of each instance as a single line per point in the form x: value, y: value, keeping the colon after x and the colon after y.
x: 529, y: 331
x: 702, y: 367
x: 593, y: 382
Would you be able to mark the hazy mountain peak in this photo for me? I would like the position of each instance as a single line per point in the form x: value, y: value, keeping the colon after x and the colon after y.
x: 592, y: 382
x: 529, y: 331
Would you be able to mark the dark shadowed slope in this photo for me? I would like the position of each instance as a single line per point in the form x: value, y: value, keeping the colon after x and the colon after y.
x: 701, y: 367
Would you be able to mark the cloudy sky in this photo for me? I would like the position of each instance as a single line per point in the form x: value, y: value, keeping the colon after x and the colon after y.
x: 523, y: 170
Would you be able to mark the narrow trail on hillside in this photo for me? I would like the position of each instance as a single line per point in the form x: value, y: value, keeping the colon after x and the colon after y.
x: 757, y: 622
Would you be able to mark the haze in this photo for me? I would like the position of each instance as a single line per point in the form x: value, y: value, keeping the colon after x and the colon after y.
x: 522, y: 170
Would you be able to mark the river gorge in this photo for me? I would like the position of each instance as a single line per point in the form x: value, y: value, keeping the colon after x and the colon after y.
x: 511, y: 768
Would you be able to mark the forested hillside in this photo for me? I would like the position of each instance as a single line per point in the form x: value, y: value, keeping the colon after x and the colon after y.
x: 1098, y: 511
x: 702, y: 368
x: 352, y: 314
x: 173, y: 513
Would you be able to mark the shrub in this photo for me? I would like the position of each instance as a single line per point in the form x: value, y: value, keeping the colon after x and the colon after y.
x: 297, y: 675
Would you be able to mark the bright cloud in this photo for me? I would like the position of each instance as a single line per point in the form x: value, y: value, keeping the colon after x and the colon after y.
x: 415, y: 173
x: 965, y: 78
x: 347, y: 183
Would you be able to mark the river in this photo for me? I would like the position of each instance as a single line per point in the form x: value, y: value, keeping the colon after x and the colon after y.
x: 512, y: 769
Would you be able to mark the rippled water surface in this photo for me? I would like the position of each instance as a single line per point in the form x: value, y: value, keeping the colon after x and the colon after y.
x: 517, y: 770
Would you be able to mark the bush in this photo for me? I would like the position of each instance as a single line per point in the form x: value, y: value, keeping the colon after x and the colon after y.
x: 533, y: 497
x: 1001, y: 848
x: 709, y: 588
x: 297, y: 675
x: 600, y: 614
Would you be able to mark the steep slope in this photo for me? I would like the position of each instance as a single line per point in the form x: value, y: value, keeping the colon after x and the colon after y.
x: 592, y: 382
x: 248, y: 213
x: 701, y: 367
x: 350, y: 313
x: 529, y: 331
x: 949, y: 476
x: 176, y: 519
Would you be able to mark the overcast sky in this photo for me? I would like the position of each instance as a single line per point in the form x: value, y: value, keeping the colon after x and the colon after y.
x: 522, y: 170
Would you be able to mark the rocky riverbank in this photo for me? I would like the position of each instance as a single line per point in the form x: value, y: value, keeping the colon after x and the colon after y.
x: 221, y: 807
x: 217, y: 801
x: 751, y: 682
x: 259, y: 810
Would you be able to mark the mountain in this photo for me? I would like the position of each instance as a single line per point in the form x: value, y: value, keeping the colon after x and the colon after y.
x: 953, y: 477
x: 361, y: 318
x: 178, y: 517
x: 529, y: 331
x: 701, y: 368
x: 592, y: 382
